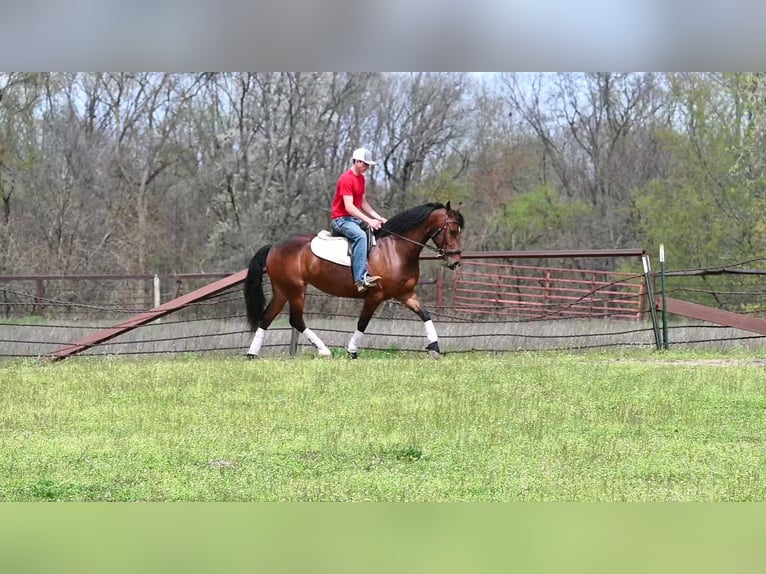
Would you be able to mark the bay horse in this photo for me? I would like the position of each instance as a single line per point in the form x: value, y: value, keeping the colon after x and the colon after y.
x: 292, y: 266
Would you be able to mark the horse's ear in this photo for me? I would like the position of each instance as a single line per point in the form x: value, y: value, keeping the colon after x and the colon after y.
x: 447, y: 206
x: 457, y: 208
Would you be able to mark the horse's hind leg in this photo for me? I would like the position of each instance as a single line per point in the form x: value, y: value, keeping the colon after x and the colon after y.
x: 297, y: 323
x: 278, y: 301
x: 412, y: 302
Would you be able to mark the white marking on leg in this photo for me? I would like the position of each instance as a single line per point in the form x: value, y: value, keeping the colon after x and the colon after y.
x: 431, y: 331
x: 255, y: 346
x: 355, y: 341
x: 317, y: 342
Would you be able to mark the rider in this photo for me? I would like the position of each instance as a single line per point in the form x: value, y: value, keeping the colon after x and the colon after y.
x: 349, y: 210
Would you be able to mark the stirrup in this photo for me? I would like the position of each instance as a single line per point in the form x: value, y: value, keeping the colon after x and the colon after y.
x: 366, y: 282
x: 371, y: 280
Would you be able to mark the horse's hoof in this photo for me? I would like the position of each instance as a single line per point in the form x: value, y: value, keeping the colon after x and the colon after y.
x: 353, y: 355
x: 433, y: 350
x: 250, y: 356
x: 324, y: 352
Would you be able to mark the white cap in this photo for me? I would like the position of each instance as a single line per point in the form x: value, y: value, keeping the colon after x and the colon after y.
x: 364, y: 155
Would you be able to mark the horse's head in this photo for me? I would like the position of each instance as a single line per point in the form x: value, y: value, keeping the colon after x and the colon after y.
x: 447, y: 238
x: 429, y: 222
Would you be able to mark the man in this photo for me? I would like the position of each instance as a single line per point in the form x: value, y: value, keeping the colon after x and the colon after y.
x: 349, y: 210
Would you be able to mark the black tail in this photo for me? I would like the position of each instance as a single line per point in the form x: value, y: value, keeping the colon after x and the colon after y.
x: 255, y: 301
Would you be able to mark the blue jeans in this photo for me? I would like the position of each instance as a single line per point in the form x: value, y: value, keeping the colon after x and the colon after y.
x: 350, y: 227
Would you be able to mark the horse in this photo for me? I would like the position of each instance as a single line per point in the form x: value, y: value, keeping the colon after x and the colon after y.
x: 292, y: 266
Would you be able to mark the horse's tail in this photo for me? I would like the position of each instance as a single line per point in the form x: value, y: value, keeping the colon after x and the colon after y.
x: 255, y: 301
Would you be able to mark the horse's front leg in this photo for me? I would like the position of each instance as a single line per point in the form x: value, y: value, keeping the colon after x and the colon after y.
x: 369, y: 307
x: 411, y: 301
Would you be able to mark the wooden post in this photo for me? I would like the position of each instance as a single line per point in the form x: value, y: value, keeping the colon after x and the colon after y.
x: 156, y: 290
x: 37, y: 307
x: 641, y: 301
x: 546, y: 291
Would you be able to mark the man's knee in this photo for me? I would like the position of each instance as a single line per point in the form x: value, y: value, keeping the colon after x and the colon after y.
x: 356, y: 233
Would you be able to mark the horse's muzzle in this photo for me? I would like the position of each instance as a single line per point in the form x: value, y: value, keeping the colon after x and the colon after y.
x: 451, y: 258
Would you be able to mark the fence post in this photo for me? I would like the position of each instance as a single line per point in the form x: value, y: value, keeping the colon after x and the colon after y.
x: 37, y: 308
x: 664, y: 299
x: 641, y: 301
x: 592, y: 298
x: 652, y: 303
x: 156, y: 290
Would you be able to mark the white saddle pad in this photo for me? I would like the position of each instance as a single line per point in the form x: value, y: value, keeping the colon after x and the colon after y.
x: 331, y: 247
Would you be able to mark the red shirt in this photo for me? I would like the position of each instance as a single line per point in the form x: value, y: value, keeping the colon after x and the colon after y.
x: 348, y: 184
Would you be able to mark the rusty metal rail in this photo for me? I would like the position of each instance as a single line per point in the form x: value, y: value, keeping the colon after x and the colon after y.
x: 712, y: 315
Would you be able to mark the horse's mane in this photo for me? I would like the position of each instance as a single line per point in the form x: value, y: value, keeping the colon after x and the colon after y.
x: 412, y: 217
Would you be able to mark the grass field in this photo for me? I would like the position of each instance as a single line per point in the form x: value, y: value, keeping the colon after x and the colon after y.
x: 623, y: 426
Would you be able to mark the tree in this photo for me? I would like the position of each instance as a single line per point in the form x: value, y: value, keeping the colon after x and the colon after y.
x: 19, y: 97
x: 596, y: 132
x: 709, y: 206
x: 422, y: 119
x: 281, y: 141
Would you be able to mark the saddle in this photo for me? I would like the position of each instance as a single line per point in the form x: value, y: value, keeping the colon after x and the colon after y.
x: 337, y: 248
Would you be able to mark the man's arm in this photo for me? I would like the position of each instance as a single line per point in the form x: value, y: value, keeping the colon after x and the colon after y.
x: 348, y: 203
x: 368, y: 208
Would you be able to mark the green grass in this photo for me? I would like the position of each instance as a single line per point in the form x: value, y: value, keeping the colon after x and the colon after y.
x: 629, y: 426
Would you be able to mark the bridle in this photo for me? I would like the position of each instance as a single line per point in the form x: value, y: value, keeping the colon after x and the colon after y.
x: 438, y: 250
x: 443, y: 229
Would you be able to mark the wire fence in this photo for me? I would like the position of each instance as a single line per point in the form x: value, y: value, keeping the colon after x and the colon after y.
x: 34, y: 323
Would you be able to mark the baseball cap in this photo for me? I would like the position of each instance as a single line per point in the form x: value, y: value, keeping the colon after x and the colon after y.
x: 362, y: 154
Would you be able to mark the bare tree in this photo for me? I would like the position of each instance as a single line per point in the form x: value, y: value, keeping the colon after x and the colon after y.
x: 422, y: 119
x: 597, y: 130
x: 144, y: 112
x: 281, y: 141
x: 19, y: 97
